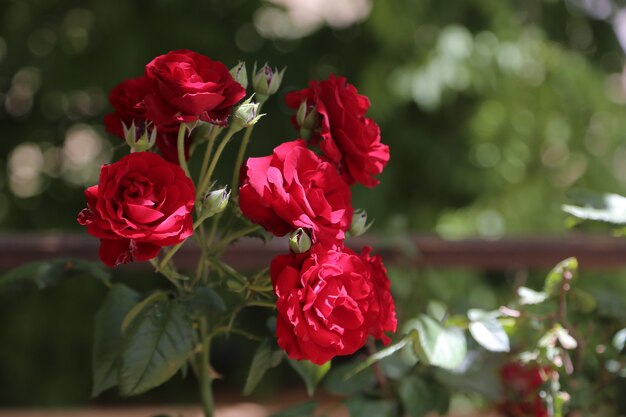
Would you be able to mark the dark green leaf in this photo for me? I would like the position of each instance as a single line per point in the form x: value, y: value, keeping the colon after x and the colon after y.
x: 107, y: 343
x: 480, y: 375
x: 360, y: 406
x: 310, y: 373
x: 156, y: 344
x: 552, y: 285
x: 139, y: 307
x: 342, y: 380
x: 437, y: 345
x: 610, y: 208
x: 381, y: 354
x: 300, y: 410
x: 205, y: 301
x: 420, y: 397
x: 48, y: 273
x: 264, y: 359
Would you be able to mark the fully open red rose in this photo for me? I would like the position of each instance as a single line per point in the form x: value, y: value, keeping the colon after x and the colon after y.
x: 141, y: 204
x: 346, y: 136
x: 329, y: 302
x: 186, y: 86
x: 294, y: 188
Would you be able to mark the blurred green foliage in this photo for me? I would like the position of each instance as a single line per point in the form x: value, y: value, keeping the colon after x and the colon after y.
x: 492, y: 109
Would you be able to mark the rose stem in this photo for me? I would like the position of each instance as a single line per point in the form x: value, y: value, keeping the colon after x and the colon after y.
x: 181, y: 149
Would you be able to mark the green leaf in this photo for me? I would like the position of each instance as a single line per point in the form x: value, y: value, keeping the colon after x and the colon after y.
x: 156, y: 344
x: 488, y: 331
x: 310, y: 373
x: 552, y: 285
x: 437, y: 345
x: 48, y: 273
x: 204, y: 301
x: 420, y: 397
x: 300, y: 410
x: 481, y: 375
x: 380, y: 355
x: 107, y: 344
x: 264, y: 359
x: 529, y: 296
x: 360, y: 406
x: 610, y: 208
x: 343, y: 380
x: 437, y: 310
x: 138, y: 308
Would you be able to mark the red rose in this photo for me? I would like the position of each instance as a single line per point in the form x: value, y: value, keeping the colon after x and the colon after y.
x: 186, y: 86
x: 346, y: 136
x: 126, y: 99
x: 294, y: 188
x: 521, y: 384
x: 141, y: 204
x: 329, y: 302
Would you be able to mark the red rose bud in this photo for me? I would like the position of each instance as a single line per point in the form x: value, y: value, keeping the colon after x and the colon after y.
x: 240, y: 74
x: 141, y: 204
x: 215, y: 202
x: 266, y: 81
x: 308, y: 119
x: 142, y: 143
x: 299, y: 241
x: 359, y: 223
x: 246, y: 115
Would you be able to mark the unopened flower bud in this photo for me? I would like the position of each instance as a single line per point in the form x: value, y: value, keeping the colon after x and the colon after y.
x: 359, y: 223
x: 308, y: 119
x: 246, y: 114
x: 299, y: 241
x: 215, y: 201
x: 139, y: 138
x: 240, y: 74
x: 266, y: 81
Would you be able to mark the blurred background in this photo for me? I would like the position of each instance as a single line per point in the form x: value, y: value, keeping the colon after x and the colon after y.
x: 493, y: 111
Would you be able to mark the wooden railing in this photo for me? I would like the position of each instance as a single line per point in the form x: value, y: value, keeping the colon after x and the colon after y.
x: 513, y: 253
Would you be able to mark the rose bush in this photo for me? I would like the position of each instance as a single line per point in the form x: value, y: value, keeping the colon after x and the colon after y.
x: 294, y: 188
x: 141, y: 204
x: 345, y: 136
x: 329, y: 302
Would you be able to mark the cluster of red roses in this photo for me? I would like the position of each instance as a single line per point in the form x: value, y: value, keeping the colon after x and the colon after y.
x: 330, y: 299
x: 522, y: 385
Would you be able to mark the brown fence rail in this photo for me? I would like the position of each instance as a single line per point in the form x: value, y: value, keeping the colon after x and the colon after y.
x: 598, y: 252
